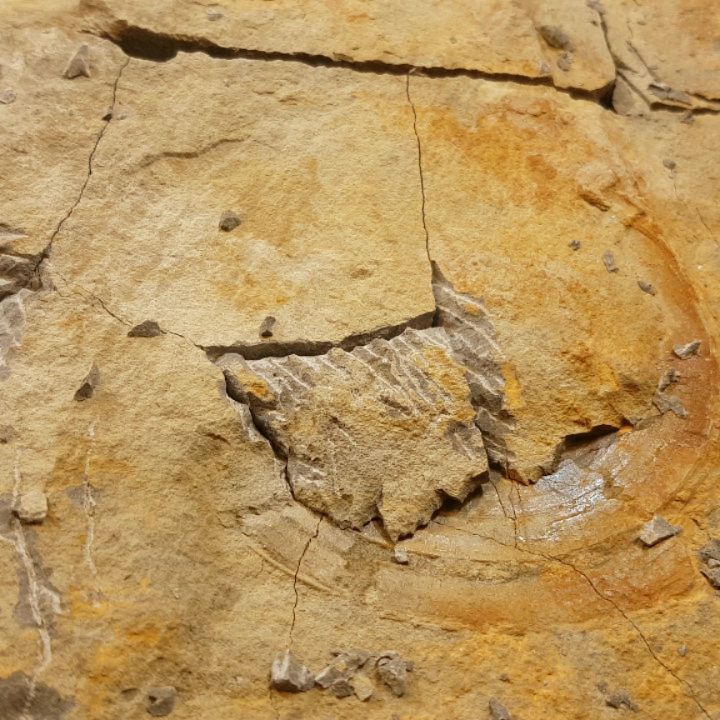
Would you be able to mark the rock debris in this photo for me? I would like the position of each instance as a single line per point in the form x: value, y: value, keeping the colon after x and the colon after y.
x: 498, y: 711
x: 609, y: 262
x: 621, y: 700
x: 556, y: 37
x: 229, y: 220
x: 669, y: 403
x: 32, y: 507
x: 146, y: 329
x: 657, y: 530
x: 79, y: 64
x: 400, y: 556
x: 688, y: 350
x: 647, y: 287
x: 161, y: 701
x: 288, y: 674
x: 392, y: 669
x: 88, y: 385
x: 710, y: 558
x: 266, y: 328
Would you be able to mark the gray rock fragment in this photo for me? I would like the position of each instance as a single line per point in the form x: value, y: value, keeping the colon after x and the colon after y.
x: 400, y: 556
x: 711, y: 551
x: 609, y: 260
x: 32, y: 507
x: 621, y: 699
x: 575, y: 244
x: 89, y: 383
x: 146, y: 329
x: 688, y: 350
x: 556, y: 37
x: 329, y: 675
x: 362, y: 687
x: 161, y: 701
x: 713, y: 576
x: 266, y: 328
x: 7, y: 96
x: 647, y: 287
x: 229, y: 221
x: 392, y: 670
x: 669, y: 378
x: 287, y: 674
x: 498, y: 711
x: 79, y: 64
x: 669, y: 164
x: 669, y: 403
x: 565, y: 61
x: 657, y: 530
x: 341, y: 688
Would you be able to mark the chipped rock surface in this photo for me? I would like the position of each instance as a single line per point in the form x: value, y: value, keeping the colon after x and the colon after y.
x: 409, y: 346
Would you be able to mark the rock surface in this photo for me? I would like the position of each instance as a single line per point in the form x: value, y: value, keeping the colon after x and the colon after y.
x: 429, y: 245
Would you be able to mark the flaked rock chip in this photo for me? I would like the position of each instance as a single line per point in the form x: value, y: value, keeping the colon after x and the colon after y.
x: 392, y: 670
x: 647, y: 287
x: 656, y: 530
x: 161, y: 701
x: 146, y: 329
x: 266, y: 329
x: 362, y: 687
x: 669, y: 378
x: 711, y: 551
x: 287, y: 674
x: 229, y: 220
x: 498, y: 711
x: 609, y: 261
x: 364, y: 432
x: 686, y: 351
x: 556, y: 37
x: 79, y: 64
x: 32, y: 507
x: 669, y: 403
x: 621, y: 699
x: 89, y: 383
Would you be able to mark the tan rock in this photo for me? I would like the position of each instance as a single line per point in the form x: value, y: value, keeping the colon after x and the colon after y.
x: 321, y: 163
x: 32, y: 506
x: 363, y: 430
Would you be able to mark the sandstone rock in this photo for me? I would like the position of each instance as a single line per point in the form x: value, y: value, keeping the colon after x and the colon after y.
x: 229, y: 221
x: 670, y: 377
x: 688, y: 350
x: 362, y: 687
x: 146, y: 329
x: 161, y: 701
x: 392, y: 670
x: 305, y: 139
x: 32, y: 506
x: 656, y: 530
x: 498, y: 711
x: 289, y: 675
x: 384, y: 411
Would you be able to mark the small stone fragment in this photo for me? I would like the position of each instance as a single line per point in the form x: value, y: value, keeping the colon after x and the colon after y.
x: 504, y: 677
x: 330, y: 675
x: 574, y: 244
x: 341, y: 688
x: 669, y: 164
x: 87, y: 388
x: 353, y: 659
x: 362, y: 687
x: 686, y: 351
x: 682, y: 650
x: 7, y: 433
x: 713, y: 576
x: 669, y: 403
x: 393, y: 670
x: 289, y: 675
x: 7, y: 96
x: 565, y: 61
x: 556, y: 37
x: 609, y: 260
x: 400, y: 556
x: 498, y: 711
x: 711, y: 551
x: 32, y: 507
x: 621, y: 699
x: 647, y: 287
x: 146, y: 329
x: 161, y: 701
x: 656, y: 530
x: 669, y: 378
x: 229, y: 221
x: 266, y: 329
x: 78, y: 64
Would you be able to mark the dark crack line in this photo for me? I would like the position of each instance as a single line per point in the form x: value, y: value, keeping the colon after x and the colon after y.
x: 106, y: 123
x: 295, y: 579
x: 553, y: 558
x: 155, y: 46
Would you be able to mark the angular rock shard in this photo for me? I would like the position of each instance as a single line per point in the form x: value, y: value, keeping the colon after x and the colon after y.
x: 657, y: 530
x: 287, y: 674
x: 383, y: 431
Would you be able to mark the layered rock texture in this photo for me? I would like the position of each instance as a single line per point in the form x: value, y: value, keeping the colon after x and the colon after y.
x: 359, y: 360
